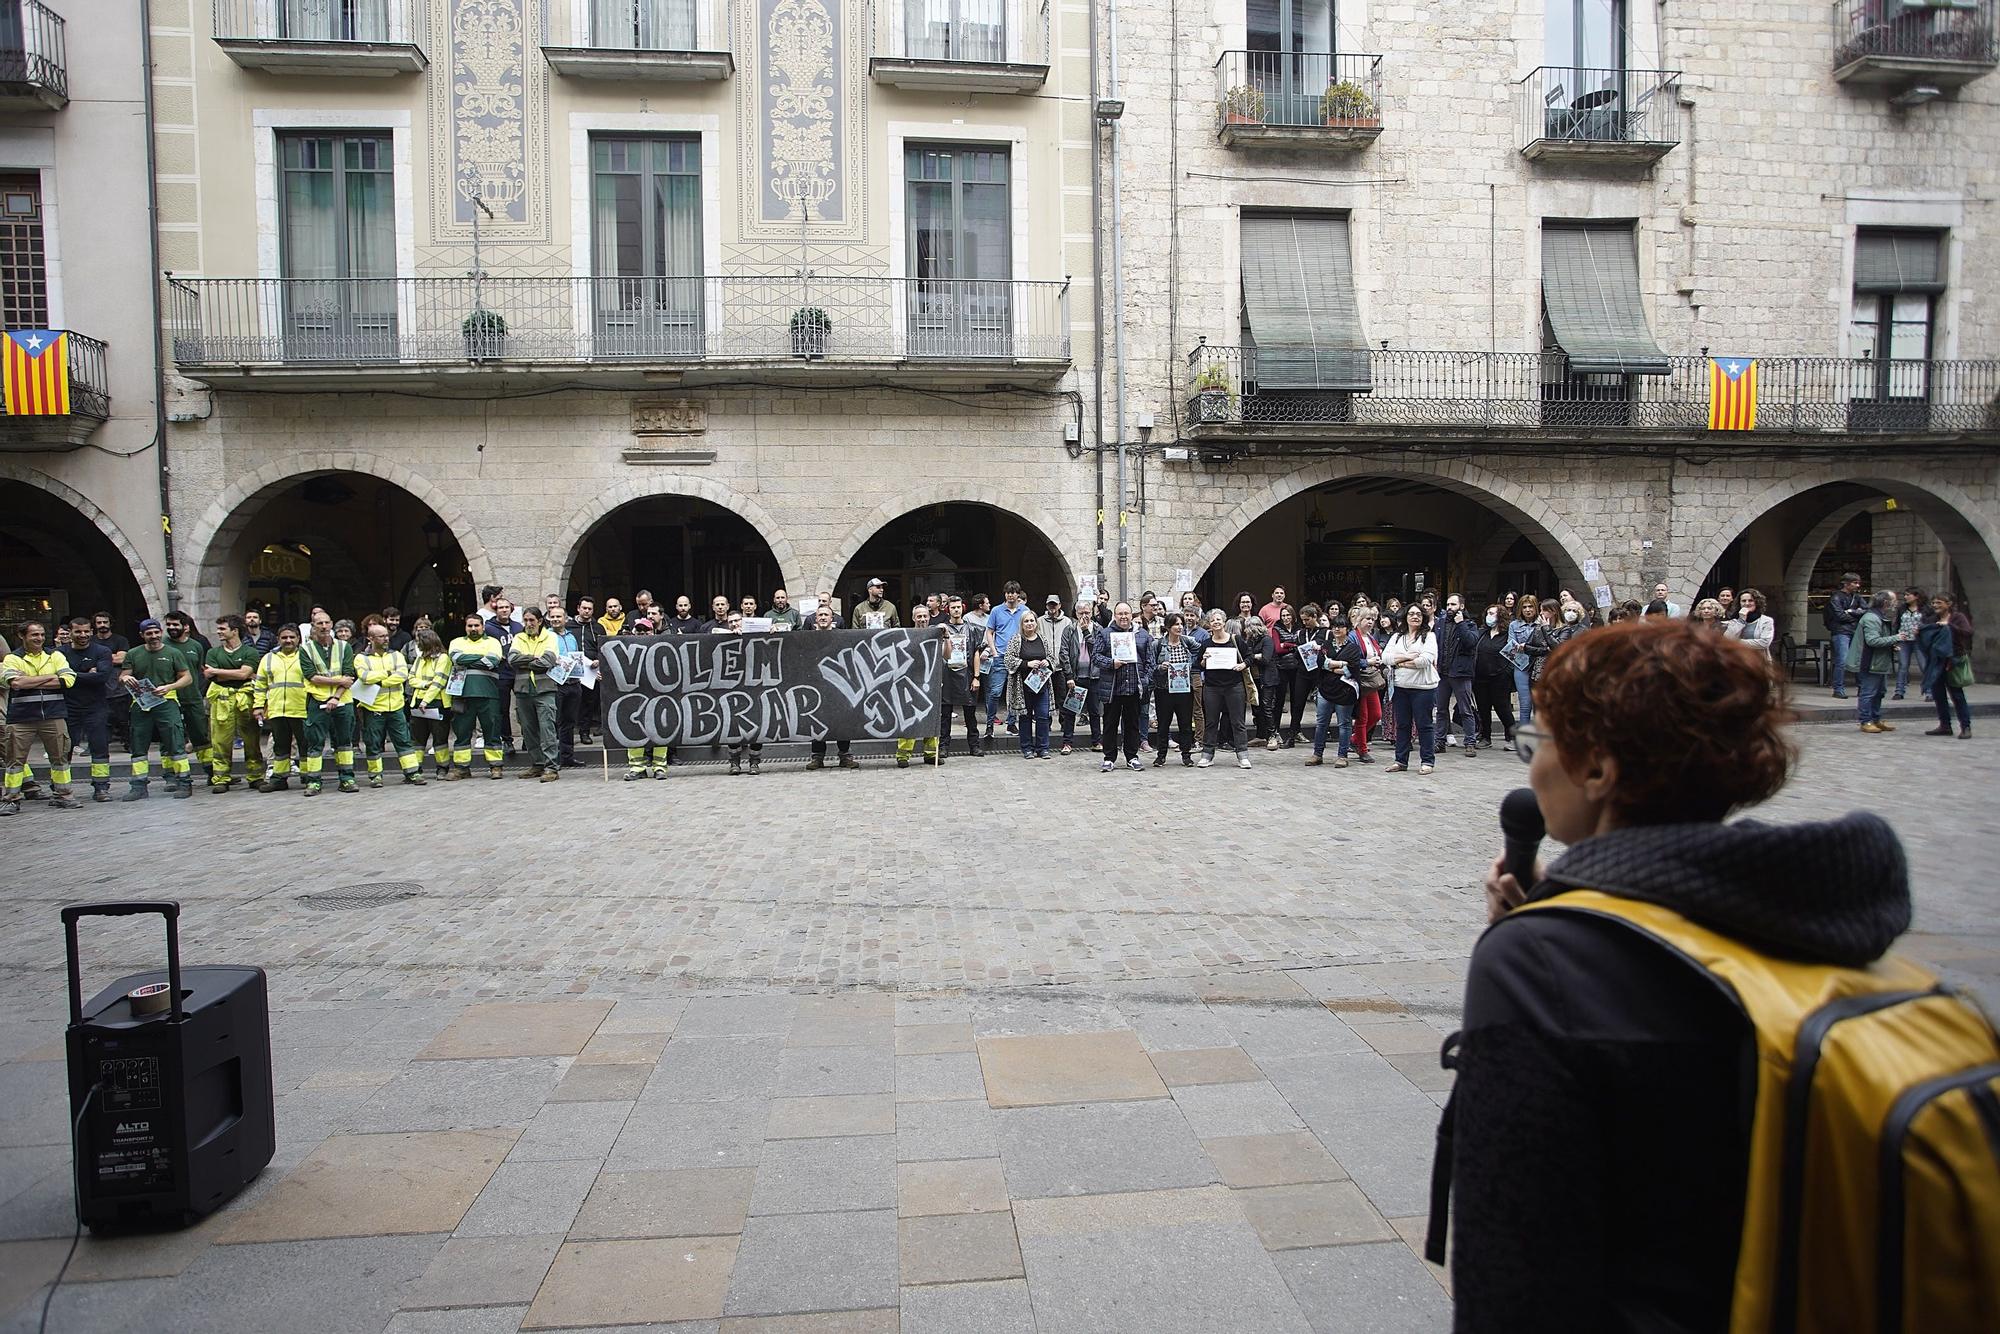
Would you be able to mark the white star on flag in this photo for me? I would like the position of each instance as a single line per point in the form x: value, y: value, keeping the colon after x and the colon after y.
x: 35, y: 343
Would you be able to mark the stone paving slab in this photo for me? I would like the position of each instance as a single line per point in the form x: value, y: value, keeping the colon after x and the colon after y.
x: 1226, y: 1081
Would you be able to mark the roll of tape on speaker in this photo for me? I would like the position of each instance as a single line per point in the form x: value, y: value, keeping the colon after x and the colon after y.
x: 153, y: 998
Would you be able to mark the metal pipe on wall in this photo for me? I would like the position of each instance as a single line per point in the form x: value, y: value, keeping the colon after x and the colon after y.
x: 1118, y: 308
x: 159, y: 327
x: 1097, y: 291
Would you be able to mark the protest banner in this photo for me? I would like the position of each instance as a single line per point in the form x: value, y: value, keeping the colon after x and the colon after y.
x: 810, y: 685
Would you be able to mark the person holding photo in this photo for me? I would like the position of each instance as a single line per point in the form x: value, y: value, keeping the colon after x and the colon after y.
x: 1219, y: 659
x: 1032, y: 665
x: 1173, y: 693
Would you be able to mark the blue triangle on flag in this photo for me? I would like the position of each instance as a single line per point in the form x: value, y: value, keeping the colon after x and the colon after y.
x: 1733, y: 367
x: 34, y: 342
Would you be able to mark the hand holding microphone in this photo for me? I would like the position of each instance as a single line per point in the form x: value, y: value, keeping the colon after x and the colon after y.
x: 1515, y: 871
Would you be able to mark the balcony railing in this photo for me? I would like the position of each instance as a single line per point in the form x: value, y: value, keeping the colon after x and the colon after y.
x: 1944, y: 43
x: 1536, y: 392
x: 638, y: 40
x: 330, y: 37
x: 89, y: 404
x: 390, y: 322
x: 1284, y: 98
x: 1598, y: 115
x: 993, y: 46
x: 34, y: 73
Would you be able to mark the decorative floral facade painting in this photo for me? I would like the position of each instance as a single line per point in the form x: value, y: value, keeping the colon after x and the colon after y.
x: 802, y: 92
x: 489, y: 160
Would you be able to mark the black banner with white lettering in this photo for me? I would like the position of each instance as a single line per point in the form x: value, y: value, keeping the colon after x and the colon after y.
x: 809, y: 685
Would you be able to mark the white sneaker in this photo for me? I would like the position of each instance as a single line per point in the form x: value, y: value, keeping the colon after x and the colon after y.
x: 1137, y: 766
x: 1106, y: 767
x: 1243, y: 761
x: 1203, y: 762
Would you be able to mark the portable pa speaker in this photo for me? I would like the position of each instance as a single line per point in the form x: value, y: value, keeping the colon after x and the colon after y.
x: 169, y: 1085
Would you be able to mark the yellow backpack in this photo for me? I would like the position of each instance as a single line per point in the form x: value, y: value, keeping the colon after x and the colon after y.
x: 1873, y: 1200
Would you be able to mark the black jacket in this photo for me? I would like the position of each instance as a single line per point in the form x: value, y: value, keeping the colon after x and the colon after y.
x: 1605, y: 1086
x: 1340, y: 687
x: 1843, y: 612
x: 1491, y: 663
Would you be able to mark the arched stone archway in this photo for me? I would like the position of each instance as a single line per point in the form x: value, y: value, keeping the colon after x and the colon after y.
x: 85, y: 506
x: 1970, y: 534
x: 212, y: 541
x: 563, y: 554
x: 1024, y: 508
x: 1552, y: 534
x: 1798, y: 570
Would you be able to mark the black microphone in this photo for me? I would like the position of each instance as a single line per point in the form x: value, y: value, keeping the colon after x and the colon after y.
x: 1521, y: 826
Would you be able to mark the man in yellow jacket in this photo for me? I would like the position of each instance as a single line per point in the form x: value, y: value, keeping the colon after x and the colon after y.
x: 278, y: 703
x: 475, y: 692
x: 232, y: 698
x: 533, y: 655
x: 329, y: 710
x: 384, y: 671
x: 34, y: 678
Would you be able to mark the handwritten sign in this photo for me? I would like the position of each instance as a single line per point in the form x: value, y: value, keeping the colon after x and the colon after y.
x: 811, y: 685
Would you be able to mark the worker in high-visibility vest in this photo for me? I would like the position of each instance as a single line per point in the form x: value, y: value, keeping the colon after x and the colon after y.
x: 430, y: 711
x: 382, y: 718
x: 154, y: 673
x: 232, y: 702
x: 534, y: 654
x: 278, y: 703
x: 35, y: 677
x: 329, y: 664
x: 643, y: 760
x: 475, y: 692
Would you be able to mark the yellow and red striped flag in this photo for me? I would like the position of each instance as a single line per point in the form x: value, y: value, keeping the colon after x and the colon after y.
x: 35, y: 366
x: 1732, y: 394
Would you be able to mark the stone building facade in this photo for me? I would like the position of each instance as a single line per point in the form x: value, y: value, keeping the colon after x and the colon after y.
x: 948, y: 181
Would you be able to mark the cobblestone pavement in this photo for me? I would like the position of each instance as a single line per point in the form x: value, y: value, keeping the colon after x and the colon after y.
x: 1009, y: 1045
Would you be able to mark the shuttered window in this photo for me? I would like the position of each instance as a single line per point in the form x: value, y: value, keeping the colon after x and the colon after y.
x: 1590, y: 296
x: 1898, y: 261
x: 1298, y: 303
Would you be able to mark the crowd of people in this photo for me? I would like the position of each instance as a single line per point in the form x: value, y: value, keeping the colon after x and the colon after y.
x: 1134, y: 682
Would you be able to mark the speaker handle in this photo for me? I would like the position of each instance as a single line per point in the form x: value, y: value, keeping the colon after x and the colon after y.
x: 167, y: 908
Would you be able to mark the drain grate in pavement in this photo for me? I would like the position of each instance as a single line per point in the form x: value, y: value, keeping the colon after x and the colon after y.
x: 362, y: 896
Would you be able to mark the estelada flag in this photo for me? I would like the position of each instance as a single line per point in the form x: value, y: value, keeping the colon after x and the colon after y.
x: 1732, y: 394
x: 35, y: 363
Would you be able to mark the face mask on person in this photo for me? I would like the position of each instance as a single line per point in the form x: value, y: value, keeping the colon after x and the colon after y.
x: 1569, y: 616
x: 1491, y: 619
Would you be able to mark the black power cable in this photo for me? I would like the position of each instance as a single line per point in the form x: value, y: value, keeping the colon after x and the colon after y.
x: 76, y: 1181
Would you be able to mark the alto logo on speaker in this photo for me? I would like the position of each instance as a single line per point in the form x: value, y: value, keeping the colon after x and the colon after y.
x: 134, y: 1128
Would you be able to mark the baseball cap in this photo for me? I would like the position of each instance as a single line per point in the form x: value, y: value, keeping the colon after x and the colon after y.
x: 1053, y: 600
x: 876, y: 583
x: 150, y: 624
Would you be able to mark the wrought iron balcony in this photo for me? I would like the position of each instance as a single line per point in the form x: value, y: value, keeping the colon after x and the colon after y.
x: 34, y: 73
x: 779, y: 326
x: 666, y: 41
x: 326, y: 37
x: 1281, y: 99
x: 89, y: 405
x: 1936, y: 43
x: 1488, y: 395
x: 962, y: 46
x: 1598, y: 115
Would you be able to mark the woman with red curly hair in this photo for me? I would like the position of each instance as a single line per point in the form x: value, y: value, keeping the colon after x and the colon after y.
x: 1602, y: 1111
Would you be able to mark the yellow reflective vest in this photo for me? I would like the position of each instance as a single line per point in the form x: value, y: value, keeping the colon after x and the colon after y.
x: 279, y: 687
x: 427, y: 682
x: 387, y: 670
x: 335, y: 659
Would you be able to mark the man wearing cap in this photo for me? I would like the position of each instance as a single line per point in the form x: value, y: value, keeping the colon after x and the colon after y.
x: 35, y: 677
x: 1061, y: 633
x: 874, y: 613
x: 164, y: 672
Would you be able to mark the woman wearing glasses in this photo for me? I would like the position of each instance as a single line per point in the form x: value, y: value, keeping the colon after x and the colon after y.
x: 1602, y: 1109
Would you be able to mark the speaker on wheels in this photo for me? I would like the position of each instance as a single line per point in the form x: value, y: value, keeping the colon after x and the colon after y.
x: 169, y: 1085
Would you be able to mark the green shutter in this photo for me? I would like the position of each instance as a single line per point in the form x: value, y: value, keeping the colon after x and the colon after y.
x: 1590, y: 289
x: 1298, y: 297
x: 1898, y: 261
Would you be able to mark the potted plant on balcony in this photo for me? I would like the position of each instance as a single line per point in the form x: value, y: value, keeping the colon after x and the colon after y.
x: 1211, y: 394
x: 1243, y: 105
x: 1346, y: 103
x: 811, y: 330
x: 485, y: 334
